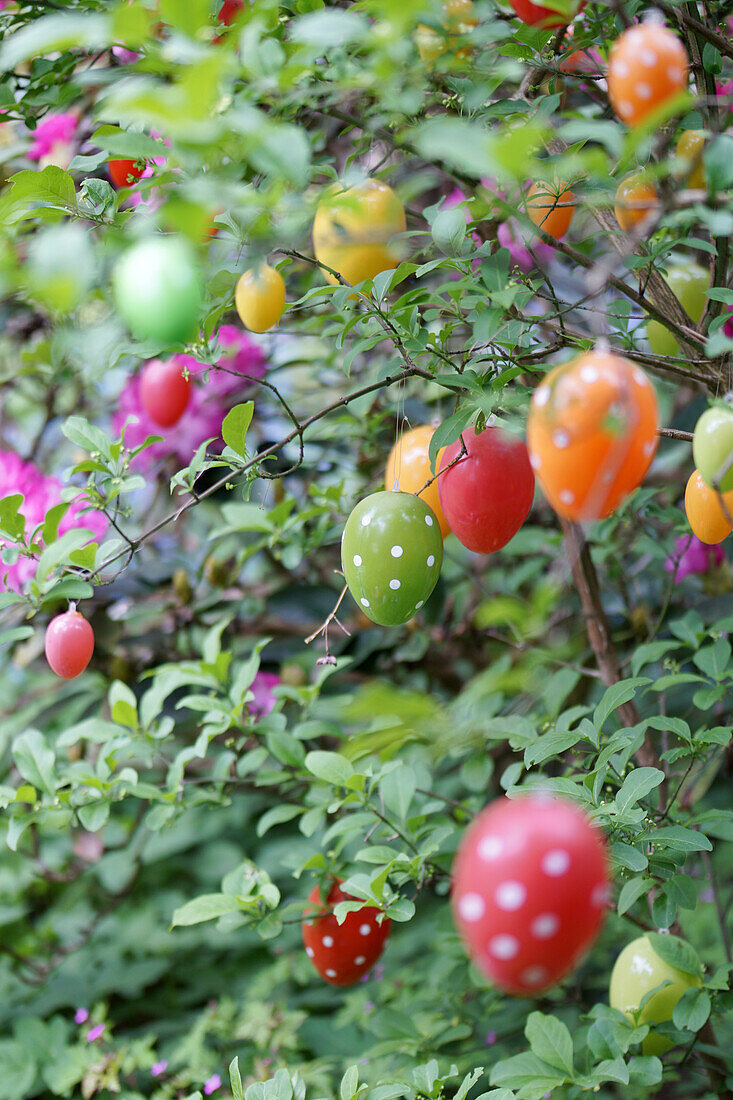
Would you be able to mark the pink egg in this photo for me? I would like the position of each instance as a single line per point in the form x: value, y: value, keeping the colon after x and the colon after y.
x: 530, y: 890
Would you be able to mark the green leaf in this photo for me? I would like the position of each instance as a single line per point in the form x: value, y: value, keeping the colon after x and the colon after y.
x: 329, y: 766
x: 349, y: 1083
x: 551, y: 1041
x: 692, y: 1010
x: 614, y: 697
x: 12, y: 521
x: 676, y: 952
x: 637, y: 784
x: 449, y: 230
x: 53, y: 34
x: 235, y: 1079
x: 526, y: 1071
x: 327, y: 29
x: 631, y: 891
x: 679, y: 839
x: 50, y: 186
x: 235, y: 426
x: 35, y: 760
x: 206, y: 907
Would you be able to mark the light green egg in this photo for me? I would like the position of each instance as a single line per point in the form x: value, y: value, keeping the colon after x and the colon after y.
x: 391, y: 553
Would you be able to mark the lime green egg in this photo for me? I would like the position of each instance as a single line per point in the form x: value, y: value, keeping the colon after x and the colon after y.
x: 391, y: 553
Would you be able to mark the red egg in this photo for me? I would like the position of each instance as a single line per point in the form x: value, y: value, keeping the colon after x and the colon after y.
x: 230, y: 9
x: 530, y: 890
x: 164, y: 392
x: 124, y: 173
x: 487, y: 495
x: 344, y: 953
x: 559, y: 14
x: 69, y: 644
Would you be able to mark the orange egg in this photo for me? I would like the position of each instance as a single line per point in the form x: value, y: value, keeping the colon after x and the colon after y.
x: 636, y: 200
x: 550, y: 207
x: 705, y: 513
x: 592, y: 433
x: 647, y: 66
x: 408, y: 468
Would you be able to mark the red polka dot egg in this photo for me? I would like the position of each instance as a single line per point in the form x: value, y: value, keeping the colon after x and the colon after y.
x: 647, y: 66
x: 530, y: 890
x: 343, y: 953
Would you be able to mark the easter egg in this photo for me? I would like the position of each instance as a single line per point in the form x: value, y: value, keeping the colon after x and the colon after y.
x: 636, y: 200
x: 391, y: 554
x: 558, y: 13
x: 592, y: 433
x: 706, y: 510
x: 551, y: 207
x: 529, y: 891
x: 647, y: 66
x: 343, y: 953
x: 353, y: 230
x: 69, y: 644
x: 158, y: 290
x: 408, y: 469
x: 689, y: 282
x: 260, y: 298
x: 712, y: 447
x: 688, y: 157
x: 637, y: 971
x: 486, y: 496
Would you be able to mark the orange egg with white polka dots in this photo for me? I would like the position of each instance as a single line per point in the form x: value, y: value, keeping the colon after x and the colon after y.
x: 647, y: 66
x: 592, y: 433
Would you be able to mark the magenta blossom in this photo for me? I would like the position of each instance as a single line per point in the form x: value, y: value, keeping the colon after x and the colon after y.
x: 125, y: 56
x: 261, y: 687
x: 54, y: 141
x: 81, y: 1015
x: 95, y: 1032
x: 158, y: 1068
x: 213, y: 1083
x: 490, y: 1038
x: 728, y: 326
x: 40, y: 493
x: 692, y: 556
x: 209, y: 403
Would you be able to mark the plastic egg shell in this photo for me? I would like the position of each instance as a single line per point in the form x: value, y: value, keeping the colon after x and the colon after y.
x: 592, y: 433
x: 391, y: 553
x: 637, y: 971
x: 486, y: 495
x: 530, y: 889
x: 343, y: 953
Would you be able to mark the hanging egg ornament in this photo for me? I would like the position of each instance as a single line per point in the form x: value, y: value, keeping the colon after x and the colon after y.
x: 408, y: 468
x: 647, y: 66
x: 343, y: 953
x: 530, y: 891
x: 592, y: 433
x: 391, y: 554
x: 486, y: 496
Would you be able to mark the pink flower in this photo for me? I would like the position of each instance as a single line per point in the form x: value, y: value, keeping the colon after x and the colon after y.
x: 209, y: 403
x: 125, y: 56
x: 213, y: 1083
x: 261, y: 687
x: 54, y: 141
x: 81, y: 1016
x: 40, y: 492
x: 158, y: 1068
x: 692, y: 556
x: 95, y: 1032
x: 490, y: 1038
x: 728, y: 326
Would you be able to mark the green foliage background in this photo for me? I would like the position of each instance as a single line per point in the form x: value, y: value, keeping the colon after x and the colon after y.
x: 178, y: 923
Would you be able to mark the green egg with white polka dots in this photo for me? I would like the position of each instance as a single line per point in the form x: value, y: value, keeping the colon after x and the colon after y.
x: 391, y: 553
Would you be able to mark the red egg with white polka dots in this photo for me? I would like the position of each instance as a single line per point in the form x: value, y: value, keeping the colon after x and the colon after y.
x: 647, y: 66
x: 343, y: 953
x: 530, y: 891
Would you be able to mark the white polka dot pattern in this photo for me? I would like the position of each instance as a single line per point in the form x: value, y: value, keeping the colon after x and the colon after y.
x: 327, y: 941
x: 504, y: 947
x: 365, y: 929
x: 388, y: 541
x: 527, y: 883
x: 510, y: 896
